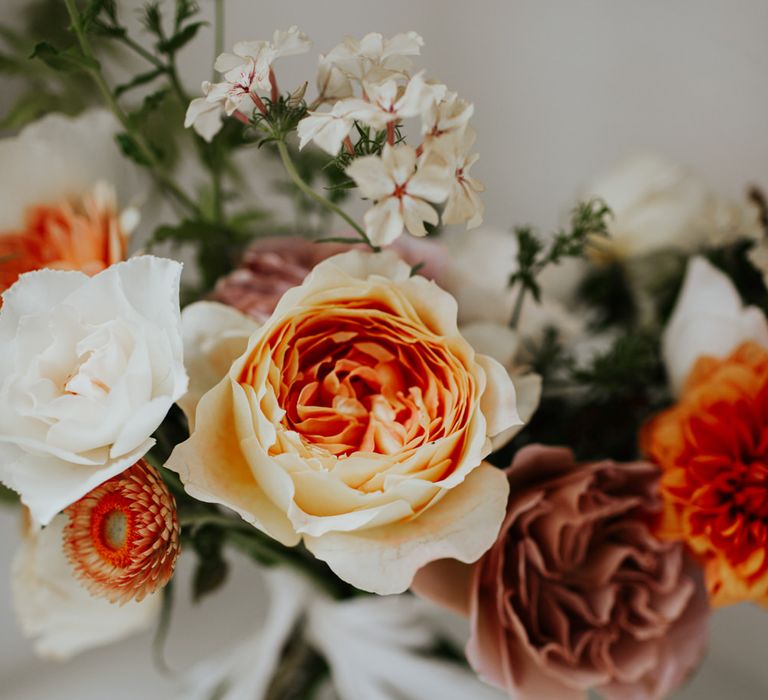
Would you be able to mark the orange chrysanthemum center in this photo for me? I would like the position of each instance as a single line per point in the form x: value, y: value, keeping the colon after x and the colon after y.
x: 123, y: 537
x: 82, y: 233
x: 713, y: 448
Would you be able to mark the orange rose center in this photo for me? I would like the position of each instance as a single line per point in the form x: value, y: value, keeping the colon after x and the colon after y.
x: 362, y: 380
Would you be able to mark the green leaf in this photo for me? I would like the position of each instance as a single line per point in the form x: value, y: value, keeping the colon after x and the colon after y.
x: 93, y: 9
x: 131, y: 149
x: 180, y: 39
x: 140, y: 79
x: 212, y: 569
x: 71, y: 60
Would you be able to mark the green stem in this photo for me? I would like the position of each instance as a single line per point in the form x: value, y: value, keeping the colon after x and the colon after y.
x: 290, y: 168
x: 218, y: 40
x: 109, y: 98
x: 517, y: 310
x: 141, y: 51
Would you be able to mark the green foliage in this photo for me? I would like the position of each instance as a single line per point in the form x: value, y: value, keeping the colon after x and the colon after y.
x: 534, y: 255
x: 70, y: 59
x: 597, y: 409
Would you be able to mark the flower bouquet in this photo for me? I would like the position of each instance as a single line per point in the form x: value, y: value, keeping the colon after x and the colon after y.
x: 468, y: 462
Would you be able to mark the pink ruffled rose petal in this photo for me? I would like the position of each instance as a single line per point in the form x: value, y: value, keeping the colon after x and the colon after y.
x: 271, y: 266
x: 577, y: 593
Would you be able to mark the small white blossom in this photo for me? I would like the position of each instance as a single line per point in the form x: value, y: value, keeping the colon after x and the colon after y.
x: 394, y: 102
x: 451, y: 114
x: 245, y: 70
x: 464, y: 203
x: 374, y: 58
x: 402, y: 191
x: 205, y: 117
x: 329, y: 129
x: 332, y: 84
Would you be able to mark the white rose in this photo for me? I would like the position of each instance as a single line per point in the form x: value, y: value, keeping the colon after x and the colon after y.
x: 709, y: 319
x: 91, y: 366
x: 56, y: 610
x: 659, y: 204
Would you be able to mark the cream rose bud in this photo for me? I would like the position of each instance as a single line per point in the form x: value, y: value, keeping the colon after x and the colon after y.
x: 90, y: 367
x: 357, y: 420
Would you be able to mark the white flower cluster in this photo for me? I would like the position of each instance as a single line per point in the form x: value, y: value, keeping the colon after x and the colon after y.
x: 367, y: 82
x: 404, y: 182
x: 244, y: 72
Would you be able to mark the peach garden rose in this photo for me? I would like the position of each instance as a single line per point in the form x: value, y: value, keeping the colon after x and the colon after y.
x: 357, y: 420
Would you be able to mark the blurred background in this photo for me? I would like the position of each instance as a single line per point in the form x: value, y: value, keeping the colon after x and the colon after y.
x: 563, y: 89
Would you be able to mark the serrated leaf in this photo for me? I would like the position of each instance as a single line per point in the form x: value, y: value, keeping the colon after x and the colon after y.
x: 70, y: 60
x: 140, y: 79
x: 93, y: 9
x: 180, y: 39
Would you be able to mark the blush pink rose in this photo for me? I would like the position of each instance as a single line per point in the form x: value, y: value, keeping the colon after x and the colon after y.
x: 577, y: 593
x: 271, y: 266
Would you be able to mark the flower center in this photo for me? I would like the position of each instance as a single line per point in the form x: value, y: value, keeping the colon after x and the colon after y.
x: 112, y: 529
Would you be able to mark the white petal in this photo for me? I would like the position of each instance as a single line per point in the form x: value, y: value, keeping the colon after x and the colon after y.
x: 498, y: 403
x: 462, y: 525
x: 377, y: 649
x: 384, y: 222
x: 244, y: 671
x: 415, y: 212
x: 372, y: 175
x: 709, y: 319
x: 55, y: 610
x: 214, y: 336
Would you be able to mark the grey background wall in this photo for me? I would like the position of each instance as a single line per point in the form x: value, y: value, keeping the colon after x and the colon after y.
x: 563, y: 89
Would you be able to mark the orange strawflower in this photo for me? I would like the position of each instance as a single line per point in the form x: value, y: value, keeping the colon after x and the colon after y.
x: 76, y: 234
x: 713, y: 449
x: 122, y: 538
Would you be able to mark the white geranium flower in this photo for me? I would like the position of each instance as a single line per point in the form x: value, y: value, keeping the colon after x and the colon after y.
x: 401, y: 190
x: 91, y: 366
x: 247, y: 69
x: 450, y: 114
x: 205, y: 117
x: 374, y: 58
x: 709, y: 319
x: 56, y: 610
x: 329, y: 129
x: 332, y: 83
x: 659, y: 204
x: 464, y: 203
x: 393, y: 102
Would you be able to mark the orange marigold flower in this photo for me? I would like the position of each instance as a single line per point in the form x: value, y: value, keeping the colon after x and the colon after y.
x: 77, y: 234
x: 713, y: 449
x: 122, y: 538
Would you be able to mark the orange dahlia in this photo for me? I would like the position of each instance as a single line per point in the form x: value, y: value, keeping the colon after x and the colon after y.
x: 77, y: 234
x: 713, y: 449
x: 122, y: 538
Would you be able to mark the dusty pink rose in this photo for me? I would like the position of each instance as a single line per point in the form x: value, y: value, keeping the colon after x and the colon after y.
x: 271, y: 266
x: 577, y: 593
